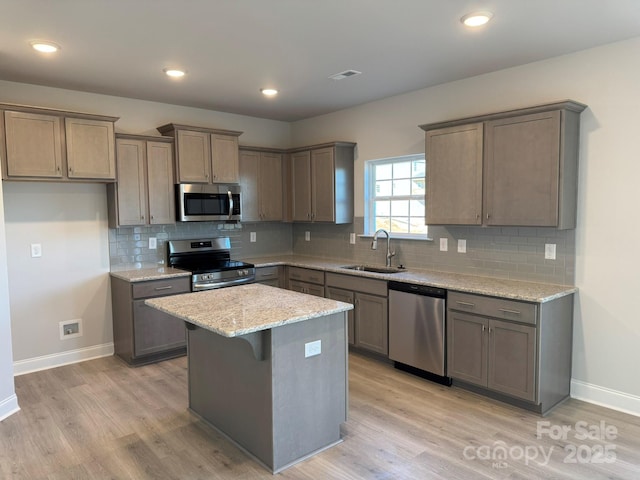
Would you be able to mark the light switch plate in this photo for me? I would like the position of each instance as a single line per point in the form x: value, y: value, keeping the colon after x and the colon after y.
x: 153, y: 243
x: 312, y: 349
x: 444, y: 245
x: 462, y: 245
x: 36, y: 250
x: 252, y: 236
x: 307, y: 236
x: 550, y: 251
x: 352, y: 238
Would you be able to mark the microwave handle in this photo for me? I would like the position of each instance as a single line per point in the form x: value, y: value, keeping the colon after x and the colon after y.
x: 230, y: 204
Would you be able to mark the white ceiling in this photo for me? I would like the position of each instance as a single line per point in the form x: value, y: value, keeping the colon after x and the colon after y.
x: 232, y: 48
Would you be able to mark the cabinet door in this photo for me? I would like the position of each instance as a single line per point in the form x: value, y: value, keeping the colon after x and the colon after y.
x: 90, y: 149
x: 269, y: 275
x: 270, y: 189
x: 522, y: 158
x: 155, y: 331
x: 193, y: 152
x: 249, y: 181
x: 34, y: 147
x: 301, y: 186
x: 512, y: 359
x: 371, y: 319
x: 131, y: 188
x: 224, y: 158
x: 160, y: 181
x: 323, y: 191
x: 454, y: 175
x: 347, y: 297
x: 467, y: 347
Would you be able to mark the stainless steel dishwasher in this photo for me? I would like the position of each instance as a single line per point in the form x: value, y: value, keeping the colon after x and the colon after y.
x: 417, y: 329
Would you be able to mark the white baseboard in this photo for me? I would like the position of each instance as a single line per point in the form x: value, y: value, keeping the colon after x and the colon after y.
x: 606, y: 397
x: 63, y: 358
x: 8, y: 406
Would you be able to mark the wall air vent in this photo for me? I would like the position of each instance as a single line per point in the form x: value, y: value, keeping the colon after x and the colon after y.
x: 345, y: 74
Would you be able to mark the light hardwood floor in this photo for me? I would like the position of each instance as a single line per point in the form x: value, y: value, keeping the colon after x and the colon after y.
x: 102, y: 419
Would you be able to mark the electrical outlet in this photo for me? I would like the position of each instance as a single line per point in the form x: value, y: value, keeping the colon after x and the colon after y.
x: 462, y: 246
x: 352, y: 238
x: 153, y: 243
x: 36, y: 250
x: 312, y: 349
x: 252, y: 237
x: 307, y: 236
x: 70, y: 329
x: 444, y: 245
x: 550, y: 251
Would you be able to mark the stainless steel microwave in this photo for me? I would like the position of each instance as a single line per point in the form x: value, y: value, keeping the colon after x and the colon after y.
x: 203, y: 202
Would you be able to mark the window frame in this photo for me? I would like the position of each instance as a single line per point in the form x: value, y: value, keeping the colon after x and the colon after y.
x: 370, y: 198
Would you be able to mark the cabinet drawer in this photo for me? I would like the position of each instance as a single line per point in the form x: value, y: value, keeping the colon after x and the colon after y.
x: 513, y: 310
x: 267, y: 273
x: 158, y: 288
x: 308, y: 288
x: 306, y: 275
x: 358, y: 284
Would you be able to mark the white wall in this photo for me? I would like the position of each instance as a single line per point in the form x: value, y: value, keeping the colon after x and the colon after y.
x: 8, y: 399
x: 606, y: 321
x: 71, y: 279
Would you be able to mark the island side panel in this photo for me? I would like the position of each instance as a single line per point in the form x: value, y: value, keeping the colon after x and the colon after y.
x: 231, y: 389
x: 309, y: 394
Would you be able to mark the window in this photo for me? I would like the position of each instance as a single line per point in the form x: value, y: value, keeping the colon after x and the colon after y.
x: 395, y: 196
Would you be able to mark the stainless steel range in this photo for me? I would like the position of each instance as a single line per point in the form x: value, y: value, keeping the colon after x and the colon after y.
x: 210, y: 262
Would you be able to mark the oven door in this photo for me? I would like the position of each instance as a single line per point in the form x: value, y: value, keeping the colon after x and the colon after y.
x: 203, y: 203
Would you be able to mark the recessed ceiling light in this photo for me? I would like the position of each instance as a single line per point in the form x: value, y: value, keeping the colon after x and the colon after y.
x: 476, y: 19
x: 269, y: 92
x: 44, y: 47
x: 174, y: 72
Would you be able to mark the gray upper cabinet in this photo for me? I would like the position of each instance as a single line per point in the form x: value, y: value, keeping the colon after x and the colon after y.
x: 261, y: 179
x: 44, y: 144
x: 204, y: 155
x: 516, y: 168
x: 143, y: 194
x: 322, y: 183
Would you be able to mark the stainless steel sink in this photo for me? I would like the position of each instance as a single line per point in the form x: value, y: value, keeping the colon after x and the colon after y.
x: 374, y: 269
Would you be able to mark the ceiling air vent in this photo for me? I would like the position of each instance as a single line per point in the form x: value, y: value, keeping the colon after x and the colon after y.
x: 345, y: 74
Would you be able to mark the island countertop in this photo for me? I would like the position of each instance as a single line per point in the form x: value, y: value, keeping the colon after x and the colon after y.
x: 244, y: 309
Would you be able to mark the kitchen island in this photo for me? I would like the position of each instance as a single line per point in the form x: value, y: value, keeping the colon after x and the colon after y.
x: 267, y: 368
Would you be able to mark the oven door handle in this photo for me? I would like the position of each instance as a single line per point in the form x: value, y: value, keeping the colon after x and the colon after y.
x: 230, y: 204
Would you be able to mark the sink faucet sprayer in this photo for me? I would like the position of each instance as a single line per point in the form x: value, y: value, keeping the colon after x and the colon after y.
x: 374, y: 245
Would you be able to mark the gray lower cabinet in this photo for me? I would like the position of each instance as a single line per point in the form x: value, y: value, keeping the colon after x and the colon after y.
x: 515, y: 350
x: 142, y: 334
x: 306, y: 280
x: 346, y: 296
x: 271, y: 275
x: 370, y: 327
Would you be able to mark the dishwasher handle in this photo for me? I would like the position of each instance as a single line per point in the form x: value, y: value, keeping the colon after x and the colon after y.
x: 425, y: 290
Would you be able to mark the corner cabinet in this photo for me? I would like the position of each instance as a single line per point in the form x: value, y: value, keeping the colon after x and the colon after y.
x: 516, y: 168
x: 44, y: 144
x: 204, y: 155
x: 144, y: 192
x: 261, y: 181
x: 513, y: 350
x: 322, y: 183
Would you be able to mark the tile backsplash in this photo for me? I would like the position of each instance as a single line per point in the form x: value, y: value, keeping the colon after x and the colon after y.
x: 515, y: 253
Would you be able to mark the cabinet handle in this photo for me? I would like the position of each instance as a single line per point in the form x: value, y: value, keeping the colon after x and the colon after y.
x: 141, y: 217
x: 477, y: 216
x: 465, y: 304
x: 489, y: 330
x: 168, y: 287
x: 314, y: 279
x: 267, y: 274
x: 58, y: 169
x: 483, y: 328
x: 488, y: 215
x: 70, y: 170
x: 506, y: 310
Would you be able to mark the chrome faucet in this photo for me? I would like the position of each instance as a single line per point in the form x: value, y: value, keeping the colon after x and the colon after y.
x: 374, y: 245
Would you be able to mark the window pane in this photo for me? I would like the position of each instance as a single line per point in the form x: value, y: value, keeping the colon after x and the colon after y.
x: 399, y: 208
x: 402, y: 187
x: 383, y: 208
x: 400, y: 225
x: 417, y: 208
x: 418, y: 168
x: 384, y: 172
x: 383, y: 189
x: 402, y: 170
x: 417, y: 186
x: 418, y: 226
x: 383, y: 222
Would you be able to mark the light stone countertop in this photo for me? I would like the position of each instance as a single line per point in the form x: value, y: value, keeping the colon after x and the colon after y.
x: 147, y: 274
x: 244, y: 309
x: 497, y: 287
